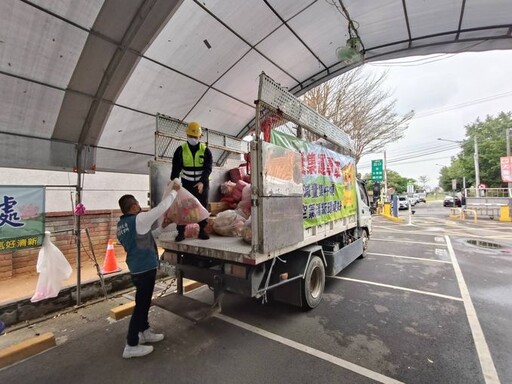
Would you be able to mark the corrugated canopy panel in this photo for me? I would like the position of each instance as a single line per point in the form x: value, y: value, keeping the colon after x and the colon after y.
x: 96, y: 73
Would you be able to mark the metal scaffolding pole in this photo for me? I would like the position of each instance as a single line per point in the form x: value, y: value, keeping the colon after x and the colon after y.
x: 78, y: 200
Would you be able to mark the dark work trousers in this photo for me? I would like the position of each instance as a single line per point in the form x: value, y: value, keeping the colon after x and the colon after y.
x: 203, y: 199
x: 144, y: 284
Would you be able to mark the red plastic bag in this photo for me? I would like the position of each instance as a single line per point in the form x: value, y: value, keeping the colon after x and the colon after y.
x: 237, y: 195
x: 240, y: 185
x: 191, y: 231
x: 186, y: 209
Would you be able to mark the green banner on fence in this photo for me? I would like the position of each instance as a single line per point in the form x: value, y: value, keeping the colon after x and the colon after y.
x: 21, y: 217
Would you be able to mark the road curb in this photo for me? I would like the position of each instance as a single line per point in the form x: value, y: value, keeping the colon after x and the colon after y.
x: 25, y: 349
x: 392, y: 218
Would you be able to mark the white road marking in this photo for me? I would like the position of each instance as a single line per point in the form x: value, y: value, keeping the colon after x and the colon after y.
x: 386, y: 229
x: 399, y: 230
x: 464, y: 232
x: 498, y: 237
x: 398, y: 288
x: 486, y: 362
x: 409, y: 257
x: 311, y: 351
x: 405, y: 241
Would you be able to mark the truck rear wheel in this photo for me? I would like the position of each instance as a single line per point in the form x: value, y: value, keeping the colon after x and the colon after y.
x: 366, y: 240
x: 313, y: 283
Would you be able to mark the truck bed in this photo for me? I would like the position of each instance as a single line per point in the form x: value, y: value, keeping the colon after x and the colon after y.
x: 236, y: 250
x: 219, y: 247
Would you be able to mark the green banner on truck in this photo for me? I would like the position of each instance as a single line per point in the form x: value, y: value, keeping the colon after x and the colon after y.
x: 328, y: 177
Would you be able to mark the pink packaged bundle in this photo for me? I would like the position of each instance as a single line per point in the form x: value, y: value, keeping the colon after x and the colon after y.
x: 186, y: 209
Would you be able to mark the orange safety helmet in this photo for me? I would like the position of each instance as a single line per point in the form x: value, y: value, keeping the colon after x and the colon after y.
x: 194, y: 129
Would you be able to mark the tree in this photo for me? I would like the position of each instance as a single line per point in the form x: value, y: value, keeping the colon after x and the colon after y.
x: 454, y: 171
x: 491, y: 136
x: 358, y: 104
x: 423, y: 180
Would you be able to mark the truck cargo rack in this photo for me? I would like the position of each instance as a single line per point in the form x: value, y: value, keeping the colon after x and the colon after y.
x: 279, y: 100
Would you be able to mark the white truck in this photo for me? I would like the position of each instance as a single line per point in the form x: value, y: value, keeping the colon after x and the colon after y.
x: 310, y: 216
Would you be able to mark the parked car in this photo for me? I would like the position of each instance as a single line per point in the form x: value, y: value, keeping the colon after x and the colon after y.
x: 421, y: 197
x: 403, y: 202
x: 452, y: 201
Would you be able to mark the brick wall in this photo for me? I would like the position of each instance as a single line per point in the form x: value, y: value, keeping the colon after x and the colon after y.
x: 101, y: 225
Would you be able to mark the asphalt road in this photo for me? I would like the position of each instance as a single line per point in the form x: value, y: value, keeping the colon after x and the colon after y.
x: 424, y: 306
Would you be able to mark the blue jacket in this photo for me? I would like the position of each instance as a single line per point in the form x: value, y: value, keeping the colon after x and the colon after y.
x: 141, y: 254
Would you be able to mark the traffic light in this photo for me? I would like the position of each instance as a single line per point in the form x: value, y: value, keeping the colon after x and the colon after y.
x: 376, y: 191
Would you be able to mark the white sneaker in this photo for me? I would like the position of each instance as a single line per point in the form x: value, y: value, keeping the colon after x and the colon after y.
x: 149, y: 337
x: 137, y: 351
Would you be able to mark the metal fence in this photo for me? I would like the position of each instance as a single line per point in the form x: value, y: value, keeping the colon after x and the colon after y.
x: 488, y: 192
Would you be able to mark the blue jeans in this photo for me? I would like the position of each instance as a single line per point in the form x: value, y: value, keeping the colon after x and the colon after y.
x: 144, y: 284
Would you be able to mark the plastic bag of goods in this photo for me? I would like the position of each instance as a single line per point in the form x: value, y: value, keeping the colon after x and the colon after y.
x: 227, y: 188
x: 235, y: 174
x: 230, y: 200
x: 191, y: 231
x: 237, y: 192
x: 209, y: 227
x: 244, y: 206
x: 53, y: 268
x: 247, y: 231
x: 228, y: 223
x: 186, y: 209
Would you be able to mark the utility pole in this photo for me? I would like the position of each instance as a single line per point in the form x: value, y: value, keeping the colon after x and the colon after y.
x: 477, y: 167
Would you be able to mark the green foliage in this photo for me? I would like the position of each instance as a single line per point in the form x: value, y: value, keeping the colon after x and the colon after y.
x: 454, y: 171
x: 491, y: 138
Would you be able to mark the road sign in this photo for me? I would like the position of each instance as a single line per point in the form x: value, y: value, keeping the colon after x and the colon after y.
x: 506, y: 169
x: 377, y: 170
x: 410, y: 189
x: 454, y: 184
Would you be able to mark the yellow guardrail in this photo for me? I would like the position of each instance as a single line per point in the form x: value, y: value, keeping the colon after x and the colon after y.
x: 461, y: 213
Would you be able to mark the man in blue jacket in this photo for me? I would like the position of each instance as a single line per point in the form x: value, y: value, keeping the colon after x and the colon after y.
x: 134, y: 232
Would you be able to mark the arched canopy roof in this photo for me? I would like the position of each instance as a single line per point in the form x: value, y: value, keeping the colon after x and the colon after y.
x: 93, y: 74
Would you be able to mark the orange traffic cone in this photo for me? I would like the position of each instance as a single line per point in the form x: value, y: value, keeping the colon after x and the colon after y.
x: 110, y: 264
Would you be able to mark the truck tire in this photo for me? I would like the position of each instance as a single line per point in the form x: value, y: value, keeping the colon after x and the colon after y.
x: 366, y: 239
x: 313, y: 283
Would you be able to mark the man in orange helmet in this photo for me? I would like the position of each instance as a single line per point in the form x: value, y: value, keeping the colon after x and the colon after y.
x: 193, y: 162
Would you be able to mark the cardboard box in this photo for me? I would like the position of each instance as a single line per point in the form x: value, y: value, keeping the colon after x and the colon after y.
x: 216, y: 207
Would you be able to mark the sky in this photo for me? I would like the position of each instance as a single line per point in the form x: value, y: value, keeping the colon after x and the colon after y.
x: 446, y: 92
